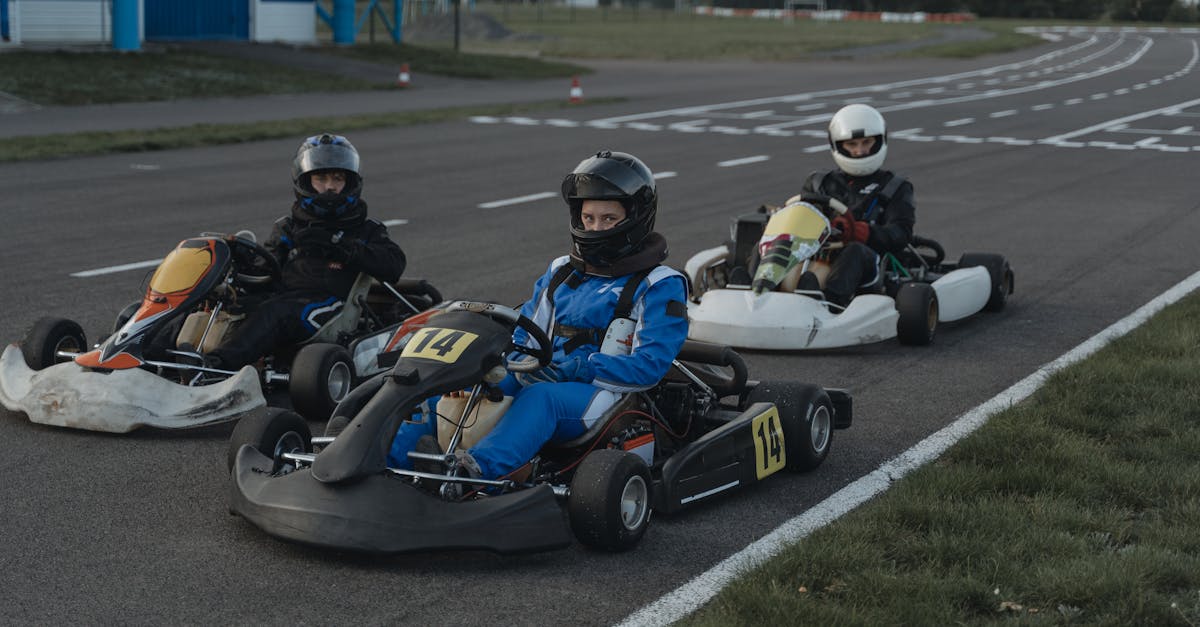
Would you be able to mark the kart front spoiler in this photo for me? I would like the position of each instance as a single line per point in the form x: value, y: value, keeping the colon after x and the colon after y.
x: 383, y: 514
x: 787, y: 321
x: 119, y: 401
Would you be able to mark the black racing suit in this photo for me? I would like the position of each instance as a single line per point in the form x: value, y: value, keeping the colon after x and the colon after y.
x: 320, y: 260
x: 890, y: 219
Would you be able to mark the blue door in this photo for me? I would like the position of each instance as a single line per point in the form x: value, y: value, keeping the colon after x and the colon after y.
x: 197, y: 19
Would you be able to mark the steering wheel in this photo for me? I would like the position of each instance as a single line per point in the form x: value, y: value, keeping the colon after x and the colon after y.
x: 541, y: 354
x: 249, y: 254
x: 821, y: 200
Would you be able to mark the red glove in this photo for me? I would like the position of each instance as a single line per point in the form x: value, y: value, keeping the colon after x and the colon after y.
x: 852, y: 230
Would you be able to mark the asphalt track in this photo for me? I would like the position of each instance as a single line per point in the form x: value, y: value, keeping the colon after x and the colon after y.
x: 1076, y: 160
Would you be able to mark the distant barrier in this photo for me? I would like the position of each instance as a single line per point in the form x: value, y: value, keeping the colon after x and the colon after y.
x: 838, y: 16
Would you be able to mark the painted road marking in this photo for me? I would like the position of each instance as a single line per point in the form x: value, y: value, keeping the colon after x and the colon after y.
x: 743, y: 161
x: 516, y: 201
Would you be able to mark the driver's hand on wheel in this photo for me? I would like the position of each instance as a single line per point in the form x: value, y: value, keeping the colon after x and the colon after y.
x: 852, y: 230
x: 574, y: 369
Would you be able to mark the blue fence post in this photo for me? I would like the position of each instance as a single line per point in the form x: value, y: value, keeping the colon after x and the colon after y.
x: 397, y: 21
x: 125, y: 34
x: 4, y: 20
x: 343, y: 21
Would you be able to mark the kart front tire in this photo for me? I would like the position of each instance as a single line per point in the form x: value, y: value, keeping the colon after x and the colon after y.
x: 806, y: 413
x: 609, y: 504
x: 125, y: 314
x: 47, y: 337
x: 321, y: 376
x: 998, y: 270
x: 917, y: 305
x: 272, y: 431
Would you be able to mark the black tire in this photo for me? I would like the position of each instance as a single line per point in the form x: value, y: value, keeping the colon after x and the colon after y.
x: 609, y: 505
x: 918, y: 308
x: 272, y: 431
x: 321, y: 376
x: 1002, y: 277
x: 126, y: 314
x: 48, y: 336
x: 806, y: 414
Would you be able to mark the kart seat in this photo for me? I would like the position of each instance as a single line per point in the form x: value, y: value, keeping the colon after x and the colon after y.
x: 619, y: 412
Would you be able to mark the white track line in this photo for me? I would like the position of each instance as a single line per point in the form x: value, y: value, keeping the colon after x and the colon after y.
x: 695, y: 593
x: 121, y: 268
x: 516, y: 201
x: 743, y: 161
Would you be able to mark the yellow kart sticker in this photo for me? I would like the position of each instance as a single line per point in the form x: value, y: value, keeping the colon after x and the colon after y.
x: 769, y: 452
x: 445, y: 345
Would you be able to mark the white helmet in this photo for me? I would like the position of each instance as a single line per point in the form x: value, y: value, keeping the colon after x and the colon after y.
x: 854, y: 121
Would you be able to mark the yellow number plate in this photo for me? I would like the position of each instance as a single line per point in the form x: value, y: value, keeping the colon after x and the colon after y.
x: 769, y: 454
x: 445, y: 345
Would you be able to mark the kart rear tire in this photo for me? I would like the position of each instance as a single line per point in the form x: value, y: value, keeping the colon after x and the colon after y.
x: 48, y: 336
x: 917, y: 305
x: 272, y: 431
x: 321, y: 376
x: 1002, y: 277
x: 806, y: 414
x: 609, y: 505
x: 125, y: 314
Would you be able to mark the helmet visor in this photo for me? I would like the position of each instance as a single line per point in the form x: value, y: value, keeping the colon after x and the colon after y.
x: 333, y: 156
x: 602, y: 178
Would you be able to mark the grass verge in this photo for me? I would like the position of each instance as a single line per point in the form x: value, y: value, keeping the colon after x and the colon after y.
x: 197, y: 135
x: 168, y: 73
x: 81, y: 78
x: 1077, y: 506
x: 434, y: 60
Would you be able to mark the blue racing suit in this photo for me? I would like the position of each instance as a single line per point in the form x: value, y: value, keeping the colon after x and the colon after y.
x: 588, y: 382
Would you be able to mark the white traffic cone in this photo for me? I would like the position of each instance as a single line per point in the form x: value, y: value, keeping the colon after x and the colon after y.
x: 576, y: 91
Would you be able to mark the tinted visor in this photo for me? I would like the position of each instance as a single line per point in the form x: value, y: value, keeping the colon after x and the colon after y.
x: 339, y: 155
x: 602, y: 178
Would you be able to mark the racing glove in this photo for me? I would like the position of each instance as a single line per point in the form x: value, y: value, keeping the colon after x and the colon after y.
x: 326, y: 243
x: 852, y: 230
x: 576, y: 369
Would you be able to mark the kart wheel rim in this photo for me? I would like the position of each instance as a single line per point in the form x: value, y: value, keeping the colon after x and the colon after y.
x: 931, y: 318
x: 290, y: 442
x: 67, y: 344
x: 635, y: 499
x: 820, y: 428
x: 338, y: 381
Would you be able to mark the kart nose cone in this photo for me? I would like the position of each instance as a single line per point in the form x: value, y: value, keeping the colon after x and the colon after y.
x: 119, y: 401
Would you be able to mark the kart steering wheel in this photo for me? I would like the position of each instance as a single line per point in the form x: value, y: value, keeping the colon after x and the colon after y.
x: 541, y: 354
x: 248, y: 253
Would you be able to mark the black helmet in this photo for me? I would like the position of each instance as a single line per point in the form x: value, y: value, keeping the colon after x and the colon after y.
x: 611, y: 176
x: 326, y: 152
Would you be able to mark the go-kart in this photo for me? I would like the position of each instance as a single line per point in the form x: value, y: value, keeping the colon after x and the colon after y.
x: 762, y: 290
x: 151, y: 370
x: 703, y: 431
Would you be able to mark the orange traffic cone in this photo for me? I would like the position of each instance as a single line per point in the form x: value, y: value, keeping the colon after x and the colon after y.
x: 402, y: 79
x: 576, y: 91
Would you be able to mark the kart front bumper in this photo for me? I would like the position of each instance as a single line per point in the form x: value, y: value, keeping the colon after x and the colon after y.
x: 787, y: 321
x: 119, y: 401
x: 383, y: 514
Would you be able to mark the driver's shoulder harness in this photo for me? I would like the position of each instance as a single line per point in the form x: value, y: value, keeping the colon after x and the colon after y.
x: 883, y: 194
x: 581, y: 336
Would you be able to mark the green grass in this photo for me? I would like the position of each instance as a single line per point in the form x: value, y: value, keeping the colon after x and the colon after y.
x: 99, y: 143
x: 80, y: 78
x: 1004, y: 38
x: 651, y: 34
x: 445, y: 62
x: 104, y: 77
x: 1080, y: 505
